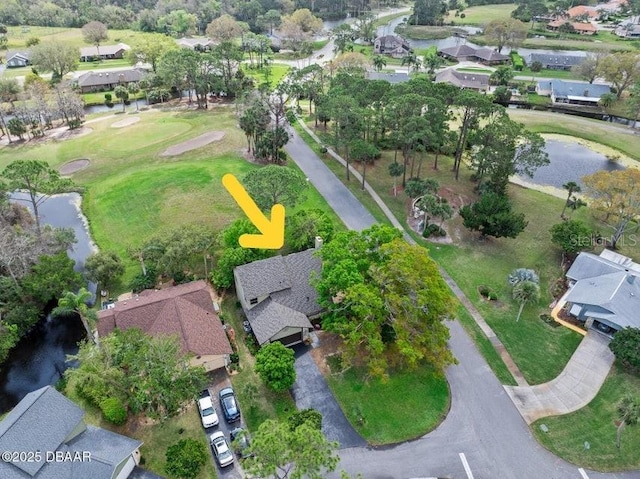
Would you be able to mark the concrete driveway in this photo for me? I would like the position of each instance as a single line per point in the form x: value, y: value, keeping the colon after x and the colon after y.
x: 574, y: 388
x: 312, y: 391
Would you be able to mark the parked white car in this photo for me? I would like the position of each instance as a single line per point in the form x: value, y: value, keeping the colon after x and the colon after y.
x: 208, y: 413
x: 221, y: 449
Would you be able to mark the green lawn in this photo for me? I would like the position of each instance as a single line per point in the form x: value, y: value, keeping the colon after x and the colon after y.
x: 545, y: 73
x: 72, y: 36
x: 425, y: 32
x: 614, y: 136
x: 602, y: 42
x: 97, y: 98
x: 595, y: 424
x: 278, y: 71
x: 475, y: 70
x: 482, y: 14
x: 407, y: 406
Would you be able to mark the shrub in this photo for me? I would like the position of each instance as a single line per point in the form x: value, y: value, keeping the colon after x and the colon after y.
x: 113, y: 410
x: 626, y: 347
x: 142, y: 282
x: 275, y: 366
x: 185, y: 459
x: 484, y: 291
x: 308, y: 416
x: 234, y: 358
x: 492, y: 296
x: 108, y: 97
x: 32, y: 41
x: 433, y: 230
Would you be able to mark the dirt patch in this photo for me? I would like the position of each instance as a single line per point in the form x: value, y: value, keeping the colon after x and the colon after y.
x: 74, y: 166
x: 192, y: 144
x: 132, y: 120
x: 329, y: 344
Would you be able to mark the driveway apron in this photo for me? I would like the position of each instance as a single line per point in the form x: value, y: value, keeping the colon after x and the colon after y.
x: 312, y: 391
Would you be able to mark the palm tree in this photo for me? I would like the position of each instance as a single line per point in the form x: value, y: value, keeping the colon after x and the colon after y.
x: 134, y: 88
x: 572, y: 187
x: 379, y: 62
x: 412, y: 61
x: 76, y: 303
x: 395, y: 170
x: 526, y: 292
x: 628, y: 414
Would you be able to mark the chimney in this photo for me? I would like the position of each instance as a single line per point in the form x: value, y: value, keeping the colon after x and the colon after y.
x: 318, y: 242
x: 631, y: 279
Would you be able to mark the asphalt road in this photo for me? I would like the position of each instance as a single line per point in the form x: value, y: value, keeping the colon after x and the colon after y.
x: 353, y: 214
x: 483, y: 436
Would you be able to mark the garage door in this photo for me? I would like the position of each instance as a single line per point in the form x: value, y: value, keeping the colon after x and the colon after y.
x: 292, y: 339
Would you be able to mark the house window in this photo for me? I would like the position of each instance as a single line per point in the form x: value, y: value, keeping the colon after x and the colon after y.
x: 254, y: 301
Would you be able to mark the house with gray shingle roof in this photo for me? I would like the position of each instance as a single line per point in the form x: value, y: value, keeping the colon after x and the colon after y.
x: 468, y: 80
x: 185, y: 311
x: 466, y: 52
x: 104, y: 52
x: 604, y: 291
x: 557, y: 61
x: 19, y: 59
x: 572, y: 92
x: 108, y: 80
x: 47, y: 422
x: 277, y: 297
x: 393, y: 45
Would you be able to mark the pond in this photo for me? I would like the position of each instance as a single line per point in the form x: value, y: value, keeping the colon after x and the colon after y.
x: 570, y: 161
x: 39, y: 358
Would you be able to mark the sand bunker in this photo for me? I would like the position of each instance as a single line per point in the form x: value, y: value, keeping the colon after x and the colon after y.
x: 132, y: 120
x: 74, y: 166
x: 64, y: 133
x: 197, y: 142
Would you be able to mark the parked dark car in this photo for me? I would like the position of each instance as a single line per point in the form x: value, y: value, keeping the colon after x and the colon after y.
x: 240, y: 442
x: 229, y: 405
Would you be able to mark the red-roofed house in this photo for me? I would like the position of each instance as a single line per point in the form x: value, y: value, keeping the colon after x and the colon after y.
x: 582, y: 28
x: 580, y: 10
x: 185, y: 311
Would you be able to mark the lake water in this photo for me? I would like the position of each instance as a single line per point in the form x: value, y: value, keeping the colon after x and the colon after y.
x: 39, y: 358
x: 570, y: 161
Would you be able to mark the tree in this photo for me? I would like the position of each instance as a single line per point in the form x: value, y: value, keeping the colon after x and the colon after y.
x: 412, y: 61
x: 104, y: 268
x: 71, y: 303
x: 133, y: 89
x: 616, y: 198
x: 427, y: 12
x: 507, y: 32
x: 274, y: 365
x: 185, y: 459
x: 571, y: 236
x: 492, y: 216
x: 525, y: 292
x: 53, y: 56
x: 128, y: 364
x: 50, y: 277
x: 386, y: 299
x: 621, y: 69
x: 379, y: 62
x: 435, y: 206
x: 303, y: 227
x: 178, y: 22
x: 607, y: 100
x: 309, y: 416
x: 277, y: 451
x: 590, y: 67
x: 625, y: 345
x: 224, y: 29
x: 628, y: 414
x: 150, y: 48
x: 297, y: 29
x: 571, y: 187
x: 416, y: 187
x: 273, y: 184
x: 122, y: 93
x: 502, y: 75
x: 502, y: 95
x: 40, y: 181
x: 343, y: 36
x: 536, y: 66
x: 633, y: 102
x: 95, y: 33
x: 519, y: 275
x: 365, y: 153
x: 395, y: 170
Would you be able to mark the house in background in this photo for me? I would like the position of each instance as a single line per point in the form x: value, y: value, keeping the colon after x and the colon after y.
x: 604, y: 291
x: 572, y: 92
x: 18, y: 59
x: 185, y: 311
x: 197, y: 44
x: 105, y: 52
x: 556, y: 61
x: 469, y: 81
x: 464, y: 52
x: 629, y: 28
x: 277, y: 297
x: 104, y: 81
x: 579, y: 27
x: 392, y: 45
x: 583, y: 11
x: 48, y: 422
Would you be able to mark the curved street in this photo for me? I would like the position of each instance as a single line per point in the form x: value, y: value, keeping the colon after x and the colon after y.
x: 484, y: 435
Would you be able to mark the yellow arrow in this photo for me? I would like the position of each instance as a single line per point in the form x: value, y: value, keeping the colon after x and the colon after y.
x: 272, y: 236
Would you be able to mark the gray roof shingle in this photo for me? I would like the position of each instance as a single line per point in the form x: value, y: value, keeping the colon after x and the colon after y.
x: 463, y: 79
x: 269, y: 318
x: 90, y: 79
x: 589, y: 265
x: 263, y: 277
x: 556, y: 59
x: 565, y: 89
x: 41, y: 421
